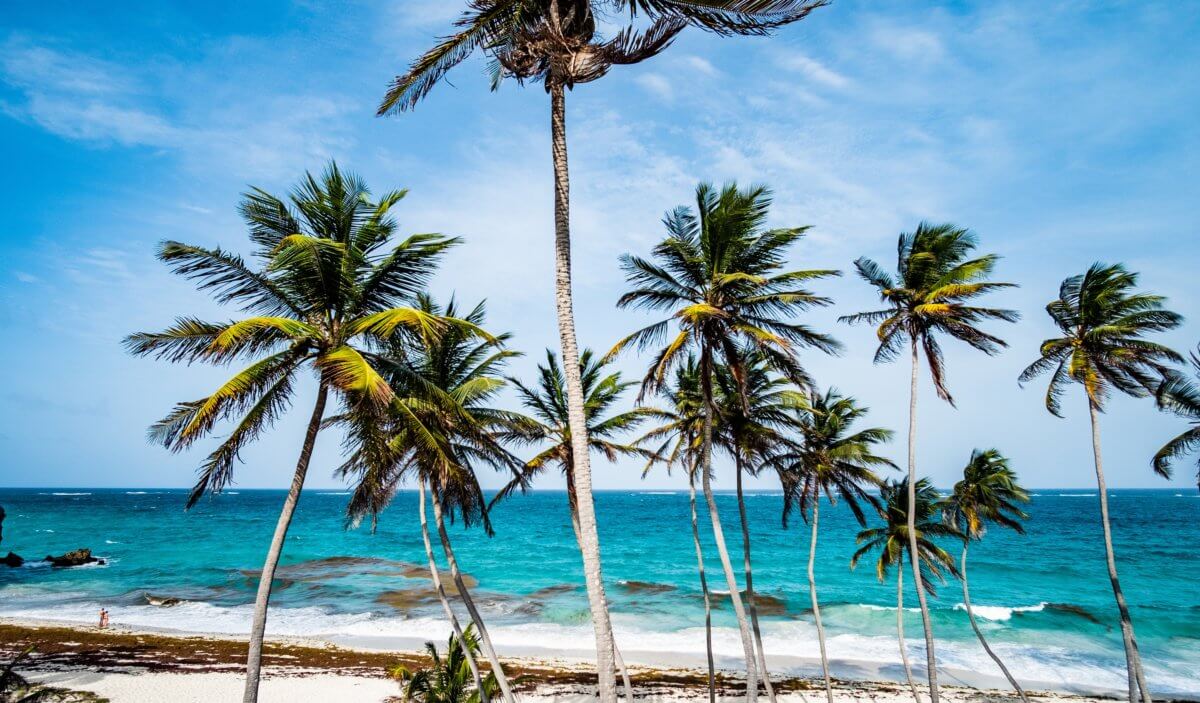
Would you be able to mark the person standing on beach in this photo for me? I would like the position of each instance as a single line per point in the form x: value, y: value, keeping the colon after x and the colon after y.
x: 103, y: 618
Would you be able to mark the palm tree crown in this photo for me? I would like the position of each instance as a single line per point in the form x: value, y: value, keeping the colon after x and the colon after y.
x: 892, y: 538
x: 1181, y: 396
x: 448, y: 679
x: 1104, y: 323
x: 987, y: 493
x: 325, y: 297
x: 930, y: 294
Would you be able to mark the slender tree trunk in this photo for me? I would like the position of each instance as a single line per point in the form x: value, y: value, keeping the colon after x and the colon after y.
x: 436, y: 577
x: 708, y: 648
x: 589, y: 536
x: 979, y: 633
x: 914, y: 558
x: 758, y: 643
x: 258, y: 627
x: 816, y: 606
x: 735, y: 595
x: 1133, y: 659
x: 900, y: 632
x: 485, y: 640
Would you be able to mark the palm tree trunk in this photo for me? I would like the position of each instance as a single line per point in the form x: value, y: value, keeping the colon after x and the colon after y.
x: 712, y: 681
x: 485, y: 640
x: 913, y: 552
x: 735, y: 595
x: 758, y: 644
x: 576, y: 420
x: 1133, y: 659
x: 900, y: 632
x: 258, y: 627
x: 979, y: 633
x: 816, y: 606
x: 436, y: 577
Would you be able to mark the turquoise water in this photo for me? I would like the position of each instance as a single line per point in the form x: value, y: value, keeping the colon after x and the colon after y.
x: 1043, y: 599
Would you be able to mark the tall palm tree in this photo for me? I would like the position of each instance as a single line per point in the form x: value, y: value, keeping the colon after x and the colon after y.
x: 329, y: 291
x: 1103, y: 348
x: 987, y: 493
x: 559, y: 43
x: 447, y: 680
x: 1182, y: 397
x: 894, y: 539
x: 679, y: 442
x: 551, y: 423
x: 834, y: 461
x: 930, y: 295
x: 719, y: 273
x: 751, y: 422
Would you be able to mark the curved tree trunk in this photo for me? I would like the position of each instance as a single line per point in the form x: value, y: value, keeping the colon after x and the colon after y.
x: 914, y: 558
x: 436, y: 578
x: 708, y: 648
x: 735, y: 595
x: 979, y: 633
x: 485, y: 640
x: 1133, y: 659
x: 758, y: 643
x: 258, y: 627
x: 900, y: 632
x: 589, y: 537
x: 812, y: 590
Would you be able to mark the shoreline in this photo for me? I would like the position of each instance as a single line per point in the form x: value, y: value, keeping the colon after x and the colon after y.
x: 134, y: 663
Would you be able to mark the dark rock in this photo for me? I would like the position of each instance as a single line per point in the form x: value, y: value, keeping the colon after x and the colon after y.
x: 78, y: 557
x: 1, y: 523
x: 161, y: 601
x: 13, y: 560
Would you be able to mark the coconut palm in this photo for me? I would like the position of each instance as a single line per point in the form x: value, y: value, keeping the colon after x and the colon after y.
x: 987, y: 493
x: 719, y: 273
x: 1181, y: 396
x: 832, y: 460
x: 440, y: 428
x: 447, y: 680
x: 930, y: 295
x: 551, y: 423
x: 327, y: 295
x: 1104, y: 322
x: 893, y: 540
x: 560, y: 43
x: 679, y: 442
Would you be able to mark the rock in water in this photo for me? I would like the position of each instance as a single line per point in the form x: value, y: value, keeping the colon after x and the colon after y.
x: 161, y: 601
x: 2, y: 523
x: 13, y: 560
x: 78, y: 557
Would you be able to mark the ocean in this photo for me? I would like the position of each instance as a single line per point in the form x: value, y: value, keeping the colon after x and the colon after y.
x: 1043, y: 598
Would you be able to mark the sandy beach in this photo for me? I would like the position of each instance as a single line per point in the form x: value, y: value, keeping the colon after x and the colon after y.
x: 127, y: 665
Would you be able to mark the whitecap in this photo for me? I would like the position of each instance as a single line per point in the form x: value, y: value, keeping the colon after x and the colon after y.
x: 1000, y: 613
x: 135, y: 493
x: 1076, y: 495
x: 109, y: 541
x: 67, y: 494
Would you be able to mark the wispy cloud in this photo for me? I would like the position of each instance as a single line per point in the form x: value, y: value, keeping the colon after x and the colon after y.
x: 812, y: 69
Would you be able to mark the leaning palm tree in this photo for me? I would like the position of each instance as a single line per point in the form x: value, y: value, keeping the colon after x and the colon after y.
x: 327, y: 296
x: 547, y: 402
x: 719, y: 273
x: 834, y: 461
x: 447, y: 680
x: 440, y: 427
x: 893, y: 540
x: 1103, y: 348
x: 930, y: 296
x: 987, y: 493
x: 1181, y: 396
x: 560, y: 44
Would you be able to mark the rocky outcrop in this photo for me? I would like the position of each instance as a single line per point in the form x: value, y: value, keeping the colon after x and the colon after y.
x: 13, y: 560
x: 1, y: 523
x: 78, y: 557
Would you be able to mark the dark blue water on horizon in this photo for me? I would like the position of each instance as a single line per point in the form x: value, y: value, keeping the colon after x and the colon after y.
x: 1043, y: 598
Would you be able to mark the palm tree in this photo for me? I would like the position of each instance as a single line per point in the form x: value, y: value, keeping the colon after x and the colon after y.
x: 930, y: 295
x: 551, y: 423
x: 441, y: 426
x: 326, y: 297
x: 719, y: 273
x: 446, y: 680
x: 833, y: 461
x: 1181, y: 396
x: 751, y: 423
x: 988, y: 492
x: 894, y: 539
x: 1104, y: 322
x: 557, y: 43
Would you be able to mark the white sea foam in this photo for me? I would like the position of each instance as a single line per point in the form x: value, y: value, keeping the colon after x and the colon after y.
x: 1001, y: 613
x: 64, y: 494
x: 1076, y: 495
x: 109, y: 541
x: 657, y: 493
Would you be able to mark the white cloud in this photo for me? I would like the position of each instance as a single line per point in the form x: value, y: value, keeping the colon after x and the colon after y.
x: 907, y: 43
x: 813, y: 69
x: 656, y: 84
x: 700, y: 65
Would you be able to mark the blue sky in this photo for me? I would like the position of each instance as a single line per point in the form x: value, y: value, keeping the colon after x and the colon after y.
x: 1062, y: 132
